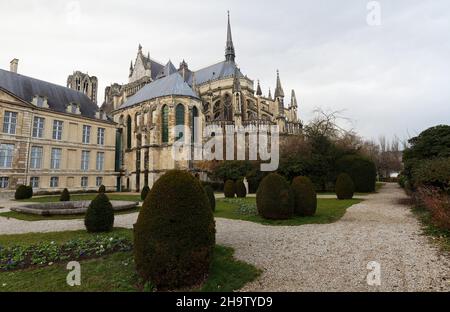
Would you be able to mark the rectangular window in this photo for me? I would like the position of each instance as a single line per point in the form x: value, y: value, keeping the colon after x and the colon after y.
x: 101, y: 136
x: 100, y: 161
x: 99, y: 181
x: 57, y: 129
x: 4, y: 182
x: 10, y: 122
x: 6, y: 155
x: 38, y: 127
x: 54, y: 181
x: 55, y: 161
x: 36, y: 157
x: 34, y: 182
x: 85, y: 160
x: 84, y: 181
x: 86, y: 134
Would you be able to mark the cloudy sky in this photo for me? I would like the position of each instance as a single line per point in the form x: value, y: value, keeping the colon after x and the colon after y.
x: 388, y: 69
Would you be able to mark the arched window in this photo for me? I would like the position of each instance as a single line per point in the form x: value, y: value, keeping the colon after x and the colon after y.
x: 227, y: 109
x: 216, y: 106
x: 179, y: 119
x: 165, y: 124
x: 129, y: 131
x: 194, y: 125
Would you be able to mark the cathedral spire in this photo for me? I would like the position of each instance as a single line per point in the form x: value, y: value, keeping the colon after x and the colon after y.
x: 236, y: 80
x: 293, y: 99
x: 229, y: 49
x: 279, y: 90
x: 270, y: 94
x: 258, y: 89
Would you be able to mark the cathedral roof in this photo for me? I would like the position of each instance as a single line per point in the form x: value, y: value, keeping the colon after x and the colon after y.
x: 58, y: 96
x: 217, y: 71
x: 153, y: 65
x: 169, y: 69
x: 169, y: 85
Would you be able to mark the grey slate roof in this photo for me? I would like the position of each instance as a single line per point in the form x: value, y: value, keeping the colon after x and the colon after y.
x: 59, y: 97
x: 169, y: 85
x: 169, y: 69
x: 153, y: 65
x: 217, y: 71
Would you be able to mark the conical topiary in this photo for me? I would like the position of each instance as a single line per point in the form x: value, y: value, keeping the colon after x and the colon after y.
x: 305, y: 197
x: 345, y: 188
x: 212, y: 199
x: 102, y: 189
x: 65, y: 195
x: 100, y: 215
x: 174, y: 235
x: 241, y: 191
x: 23, y: 192
x: 144, y: 192
x: 229, y: 189
x: 274, y: 199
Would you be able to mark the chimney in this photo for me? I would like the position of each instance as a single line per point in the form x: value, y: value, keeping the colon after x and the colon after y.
x: 13, y: 65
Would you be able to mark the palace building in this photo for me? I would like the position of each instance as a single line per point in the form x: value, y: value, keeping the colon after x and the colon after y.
x: 52, y: 137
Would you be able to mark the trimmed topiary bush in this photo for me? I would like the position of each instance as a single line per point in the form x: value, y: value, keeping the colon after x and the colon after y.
x: 362, y: 171
x: 144, y: 192
x: 102, y: 189
x: 345, y: 188
x: 229, y: 189
x: 100, y: 215
x: 241, y: 190
x: 174, y: 235
x: 212, y: 199
x: 29, y: 191
x: 23, y: 192
x: 65, y: 195
x: 305, y: 197
x: 274, y: 199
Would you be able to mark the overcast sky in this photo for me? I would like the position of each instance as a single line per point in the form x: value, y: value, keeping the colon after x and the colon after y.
x: 392, y: 78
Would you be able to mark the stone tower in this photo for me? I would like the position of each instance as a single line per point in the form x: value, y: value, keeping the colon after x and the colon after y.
x: 84, y: 83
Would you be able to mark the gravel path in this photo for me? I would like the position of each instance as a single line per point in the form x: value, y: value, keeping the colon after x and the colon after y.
x: 334, y: 257
x: 329, y: 257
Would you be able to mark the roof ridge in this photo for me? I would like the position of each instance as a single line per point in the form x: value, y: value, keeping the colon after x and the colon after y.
x: 46, y: 82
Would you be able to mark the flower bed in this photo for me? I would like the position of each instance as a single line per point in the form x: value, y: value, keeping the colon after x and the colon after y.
x: 48, y: 253
x: 244, y: 206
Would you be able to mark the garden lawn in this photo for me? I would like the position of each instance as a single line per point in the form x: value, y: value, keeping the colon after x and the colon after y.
x: 328, y: 211
x: 31, y: 217
x: 113, y: 272
x: 76, y: 197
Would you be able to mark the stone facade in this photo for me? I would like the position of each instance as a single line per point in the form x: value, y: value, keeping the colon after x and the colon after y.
x: 47, y: 144
x: 218, y: 94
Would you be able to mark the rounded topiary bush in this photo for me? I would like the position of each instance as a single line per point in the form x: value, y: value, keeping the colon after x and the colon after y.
x: 29, y: 191
x: 212, y: 199
x: 65, y: 195
x: 362, y: 171
x: 23, y: 192
x: 274, y: 199
x: 229, y: 189
x: 144, y: 192
x: 345, y: 188
x: 305, y: 197
x: 102, y: 189
x: 174, y: 236
x: 241, y: 190
x: 100, y: 215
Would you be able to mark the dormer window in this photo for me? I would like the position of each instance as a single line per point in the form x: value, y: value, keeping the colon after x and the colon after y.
x: 100, y: 115
x: 73, y: 108
x: 40, y: 101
